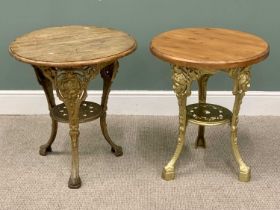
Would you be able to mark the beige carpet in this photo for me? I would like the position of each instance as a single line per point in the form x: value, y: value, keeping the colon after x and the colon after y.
x: 206, y: 179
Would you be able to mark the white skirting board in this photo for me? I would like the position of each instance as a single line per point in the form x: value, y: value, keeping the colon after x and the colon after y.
x: 123, y: 102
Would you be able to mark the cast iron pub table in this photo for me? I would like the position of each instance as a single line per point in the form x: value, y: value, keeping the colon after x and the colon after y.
x: 66, y: 59
x: 196, y: 54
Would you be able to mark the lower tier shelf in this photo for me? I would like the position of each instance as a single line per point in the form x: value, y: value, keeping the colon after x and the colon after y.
x: 208, y: 114
x: 88, y: 111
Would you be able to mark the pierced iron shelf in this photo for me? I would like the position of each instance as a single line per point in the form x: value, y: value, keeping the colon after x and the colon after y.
x: 208, y: 114
x: 88, y: 111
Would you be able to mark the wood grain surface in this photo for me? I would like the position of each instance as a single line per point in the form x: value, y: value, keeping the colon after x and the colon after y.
x: 72, y: 46
x: 209, y: 48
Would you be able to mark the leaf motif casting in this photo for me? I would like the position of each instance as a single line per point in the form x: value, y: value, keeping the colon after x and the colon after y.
x: 182, y: 79
x: 241, y: 78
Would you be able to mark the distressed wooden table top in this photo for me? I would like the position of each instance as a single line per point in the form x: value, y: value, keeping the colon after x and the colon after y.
x: 72, y: 46
x: 209, y: 48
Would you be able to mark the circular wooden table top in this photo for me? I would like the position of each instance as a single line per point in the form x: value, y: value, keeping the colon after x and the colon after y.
x: 72, y: 46
x: 209, y: 48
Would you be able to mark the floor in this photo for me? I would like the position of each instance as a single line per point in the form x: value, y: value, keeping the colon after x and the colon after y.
x: 205, y: 178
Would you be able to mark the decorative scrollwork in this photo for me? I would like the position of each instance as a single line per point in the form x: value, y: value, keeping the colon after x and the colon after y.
x: 70, y: 84
x: 241, y: 78
x: 182, y: 79
x: 71, y: 87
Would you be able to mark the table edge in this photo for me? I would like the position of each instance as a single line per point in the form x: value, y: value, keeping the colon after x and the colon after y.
x: 75, y: 63
x: 210, y: 65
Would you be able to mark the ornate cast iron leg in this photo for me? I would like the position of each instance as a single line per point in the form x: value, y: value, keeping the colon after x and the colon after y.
x: 73, y: 110
x: 182, y: 80
x: 108, y: 74
x: 202, y: 84
x: 48, y: 89
x: 71, y: 87
x: 241, y: 78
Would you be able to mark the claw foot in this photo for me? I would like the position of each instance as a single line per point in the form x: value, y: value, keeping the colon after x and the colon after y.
x: 74, y: 183
x: 200, y: 142
x: 168, y: 174
x: 245, y: 174
x: 44, y: 149
x: 117, y: 151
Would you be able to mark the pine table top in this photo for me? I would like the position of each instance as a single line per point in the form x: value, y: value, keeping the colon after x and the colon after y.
x: 72, y: 46
x: 209, y: 48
